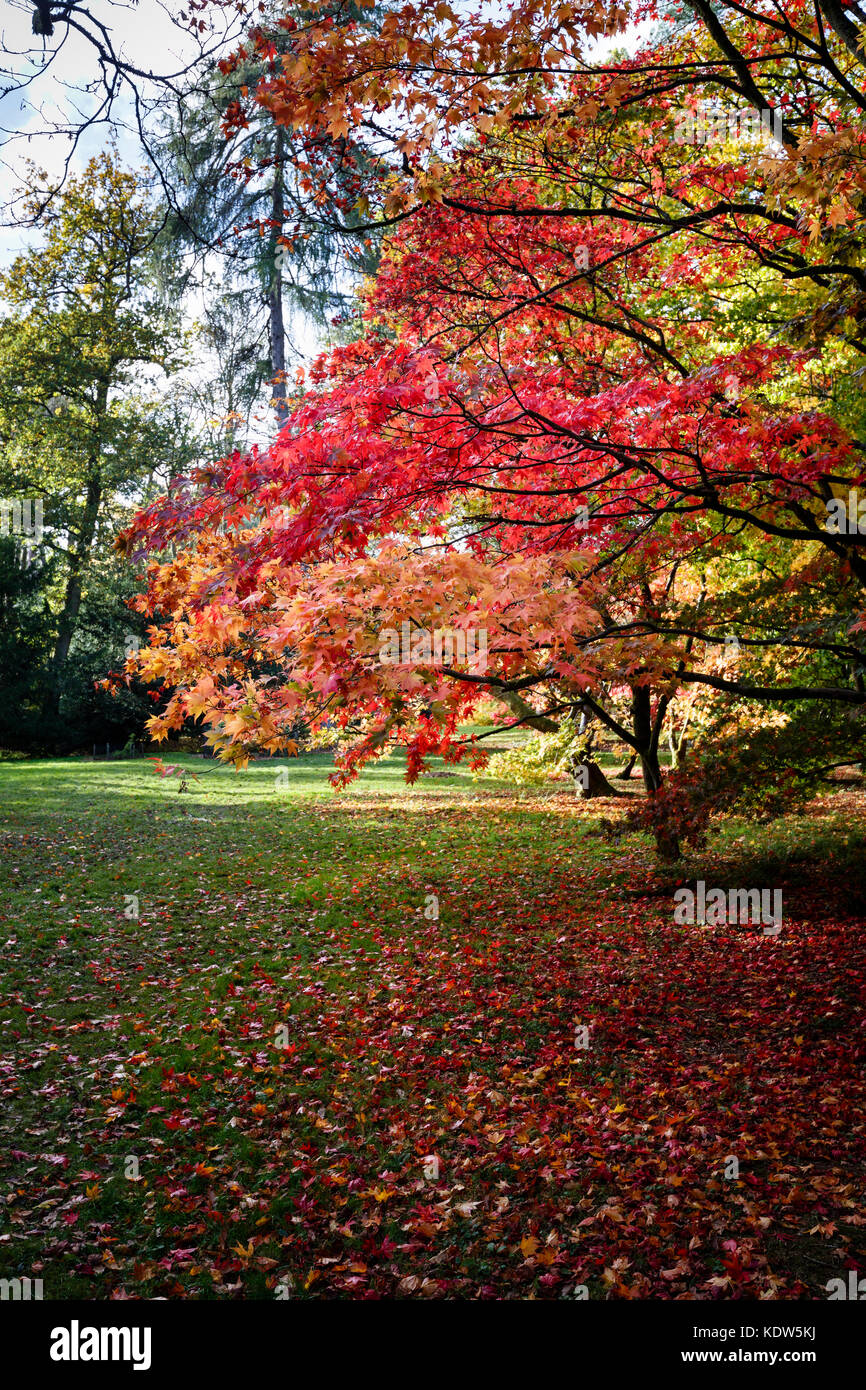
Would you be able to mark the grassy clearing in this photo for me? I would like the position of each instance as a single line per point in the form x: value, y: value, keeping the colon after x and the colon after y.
x: 282, y: 1078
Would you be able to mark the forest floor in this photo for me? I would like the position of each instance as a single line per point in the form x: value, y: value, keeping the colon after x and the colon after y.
x: 287, y: 1077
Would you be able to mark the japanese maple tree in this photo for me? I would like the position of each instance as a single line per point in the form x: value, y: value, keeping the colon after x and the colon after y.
x: 583, y: 416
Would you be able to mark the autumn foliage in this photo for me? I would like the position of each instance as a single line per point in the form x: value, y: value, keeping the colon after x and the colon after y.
x: 588, y: 411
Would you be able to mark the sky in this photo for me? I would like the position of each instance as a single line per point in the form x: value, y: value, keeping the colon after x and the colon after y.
x: 56, y: 82
x: 56, y: 93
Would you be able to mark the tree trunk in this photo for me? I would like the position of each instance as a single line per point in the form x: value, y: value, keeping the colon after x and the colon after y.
x: 667, y: 844
x: 277, y: 327
x: 679, y: 742
x: 589, y: 781
x: 72, y: 598
x: 626, y: 770
x: 651, y: 769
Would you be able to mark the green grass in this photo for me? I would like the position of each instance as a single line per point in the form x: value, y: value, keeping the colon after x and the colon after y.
x: 152, y: 1038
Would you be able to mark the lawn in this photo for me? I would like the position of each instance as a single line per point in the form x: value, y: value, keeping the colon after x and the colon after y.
x: 286, y: 1077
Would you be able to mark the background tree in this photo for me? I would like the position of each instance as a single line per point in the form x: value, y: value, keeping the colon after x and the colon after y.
x: 266, y: 202
x: 223, y: 390
x: 81, y: 430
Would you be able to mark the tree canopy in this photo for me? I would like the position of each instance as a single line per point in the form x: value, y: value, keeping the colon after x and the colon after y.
x: 82, y: 431
x: 589, y: 413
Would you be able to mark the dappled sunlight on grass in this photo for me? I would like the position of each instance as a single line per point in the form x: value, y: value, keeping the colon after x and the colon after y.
x: 316, y: 992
